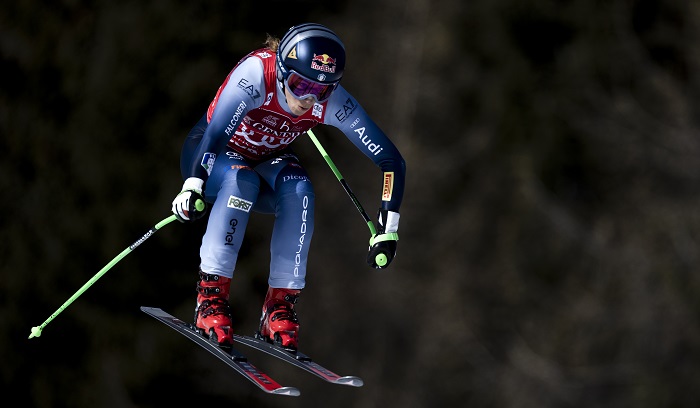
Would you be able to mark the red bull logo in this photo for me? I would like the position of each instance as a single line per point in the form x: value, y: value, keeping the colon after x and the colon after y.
x: 324, y: 59
x: 324, y: 63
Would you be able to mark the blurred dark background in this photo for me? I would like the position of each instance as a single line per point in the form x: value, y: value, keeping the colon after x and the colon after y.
x: 549, y: 232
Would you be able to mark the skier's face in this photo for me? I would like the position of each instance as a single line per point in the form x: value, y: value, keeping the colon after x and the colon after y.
x: 298, y: 106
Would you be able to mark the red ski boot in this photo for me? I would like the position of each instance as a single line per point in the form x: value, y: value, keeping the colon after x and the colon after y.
x: 212, y: 317
x: 279, y: 324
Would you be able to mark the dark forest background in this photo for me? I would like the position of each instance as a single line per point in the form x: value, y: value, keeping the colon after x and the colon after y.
x: 549, y: 236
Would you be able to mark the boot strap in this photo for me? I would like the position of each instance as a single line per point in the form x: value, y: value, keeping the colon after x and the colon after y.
x: 281, y: 311
x: 208, y: 290
x: 208, y: 277
x: 216, y: 306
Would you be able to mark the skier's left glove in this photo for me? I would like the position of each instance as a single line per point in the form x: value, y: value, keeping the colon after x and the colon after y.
x: 189, y: 205
x: 382, y: 247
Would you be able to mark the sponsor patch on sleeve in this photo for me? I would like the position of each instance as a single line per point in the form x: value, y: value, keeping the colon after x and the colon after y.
x: 388, y: 187
x: 208, y: 162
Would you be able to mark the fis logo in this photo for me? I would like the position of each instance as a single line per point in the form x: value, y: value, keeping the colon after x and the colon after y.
x: 239, y: 203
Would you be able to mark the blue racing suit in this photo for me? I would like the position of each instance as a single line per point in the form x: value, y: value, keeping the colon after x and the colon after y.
x: 240, y: 148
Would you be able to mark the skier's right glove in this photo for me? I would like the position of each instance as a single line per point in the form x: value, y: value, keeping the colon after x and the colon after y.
x: 382, y: 247
x: 189, y: 205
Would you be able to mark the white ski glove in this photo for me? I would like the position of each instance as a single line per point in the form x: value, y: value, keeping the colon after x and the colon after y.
x: 189, y: 205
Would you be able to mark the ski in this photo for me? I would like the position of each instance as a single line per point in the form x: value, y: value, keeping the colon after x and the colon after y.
x: 230, y: 356
x: 298, y: 359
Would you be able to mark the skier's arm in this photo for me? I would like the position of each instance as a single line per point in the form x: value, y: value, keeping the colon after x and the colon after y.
x: 345, y: 113
x: 243, y: 90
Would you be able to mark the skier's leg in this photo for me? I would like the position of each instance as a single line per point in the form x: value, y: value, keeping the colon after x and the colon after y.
x: 233, y: 188
x: 291, y: 237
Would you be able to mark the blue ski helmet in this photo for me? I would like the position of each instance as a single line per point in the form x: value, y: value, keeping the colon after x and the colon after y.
x: 313, y: 51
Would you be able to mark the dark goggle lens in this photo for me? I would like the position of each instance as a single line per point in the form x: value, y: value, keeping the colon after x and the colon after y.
x: 303, y: 88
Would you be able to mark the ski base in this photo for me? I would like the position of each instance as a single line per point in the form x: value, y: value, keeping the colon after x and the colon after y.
x: 300, y: 360
x: 230, y: 356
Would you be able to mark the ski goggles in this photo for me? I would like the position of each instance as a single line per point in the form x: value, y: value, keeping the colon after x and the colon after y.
x: 301, y: 87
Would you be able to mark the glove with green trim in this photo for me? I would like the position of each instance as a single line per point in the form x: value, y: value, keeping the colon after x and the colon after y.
x: 382, y: 247
x: 189, y: 205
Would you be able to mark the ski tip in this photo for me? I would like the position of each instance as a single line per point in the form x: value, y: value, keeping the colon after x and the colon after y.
x: 350, y: 380
x: 291, y: 391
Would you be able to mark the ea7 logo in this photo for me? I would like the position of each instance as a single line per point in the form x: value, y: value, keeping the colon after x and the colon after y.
x: 239, y: 203
x: 348, y: 108
x: 249, y: 89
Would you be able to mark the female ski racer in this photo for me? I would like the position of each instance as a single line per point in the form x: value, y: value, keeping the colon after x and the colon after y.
x: 238, y: 159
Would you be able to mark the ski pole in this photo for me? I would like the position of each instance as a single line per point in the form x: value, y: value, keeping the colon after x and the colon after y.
x: 380, y: 259
x: 36, y: 330
x: 342, y: 181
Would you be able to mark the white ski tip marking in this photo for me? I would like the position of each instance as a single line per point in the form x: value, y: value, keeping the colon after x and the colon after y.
x: 350, y: 380
x: 291, y: 391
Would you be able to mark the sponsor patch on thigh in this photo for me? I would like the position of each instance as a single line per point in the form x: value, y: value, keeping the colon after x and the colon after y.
x: 239, y: 203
